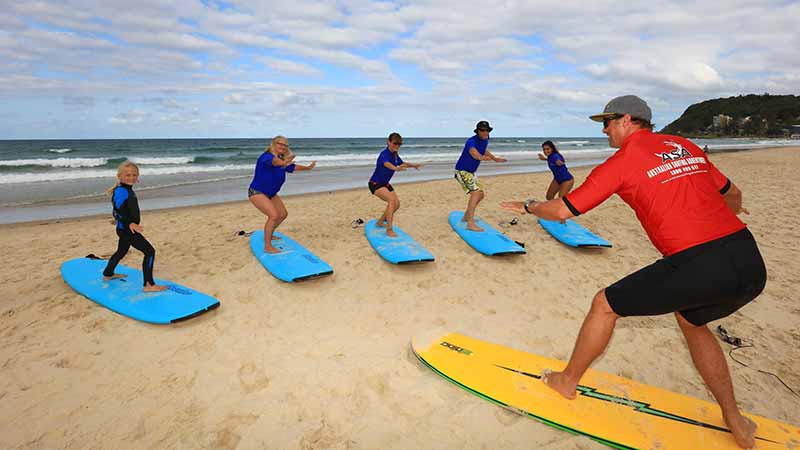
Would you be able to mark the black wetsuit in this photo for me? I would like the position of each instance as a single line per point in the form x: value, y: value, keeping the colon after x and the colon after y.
x: 126, y: 212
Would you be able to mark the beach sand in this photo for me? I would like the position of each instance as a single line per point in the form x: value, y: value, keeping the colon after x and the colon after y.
x: 325, y: 364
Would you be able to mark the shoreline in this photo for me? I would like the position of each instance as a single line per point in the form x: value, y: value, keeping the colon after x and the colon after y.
x: 91, y: 205
x: 234, y: 189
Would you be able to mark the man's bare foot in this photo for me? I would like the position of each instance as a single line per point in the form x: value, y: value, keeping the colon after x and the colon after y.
x: 276, y: 238
x: 271, y: 249
x: 380, y: 223
x: 558, y: 382
x: 472, y: 227
x: 390, y: 232
x: 114, y: 277
x: 154, y: 288
x: 743, y: 430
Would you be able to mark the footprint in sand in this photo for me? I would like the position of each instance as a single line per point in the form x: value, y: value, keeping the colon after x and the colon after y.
x: 252, y: 378
x: 229, y: 436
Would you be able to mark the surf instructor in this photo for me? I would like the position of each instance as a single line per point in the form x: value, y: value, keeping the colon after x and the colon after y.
x: 711, y: 265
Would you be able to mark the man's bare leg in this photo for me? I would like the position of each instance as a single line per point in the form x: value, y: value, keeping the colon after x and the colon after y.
x: 709, y: 360
x: 592, y: 341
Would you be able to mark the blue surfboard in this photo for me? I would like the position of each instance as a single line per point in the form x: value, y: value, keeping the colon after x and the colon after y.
x: 573, y: 234
x: 397, y: 250
x: 489, y: 241
x: 125, y: 295
x: 293, y: 263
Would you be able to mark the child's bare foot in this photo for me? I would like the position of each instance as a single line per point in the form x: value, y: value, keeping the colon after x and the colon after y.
x: 743, y: 430
x: 390, y: 232
x: 380, y: 223
x: 276, y: 238
x: 154, y: 288
x: 114, y: 277
x: 271, y: 249
x: 559, y: 383
x: 472, y: 227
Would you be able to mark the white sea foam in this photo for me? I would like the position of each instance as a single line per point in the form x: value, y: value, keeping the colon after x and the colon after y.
x: 56, y: 162
x: 152, y: 161
x: 13, y: 178
x: 59, y: 150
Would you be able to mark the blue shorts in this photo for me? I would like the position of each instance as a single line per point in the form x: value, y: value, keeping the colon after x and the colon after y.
x: 563, y: 180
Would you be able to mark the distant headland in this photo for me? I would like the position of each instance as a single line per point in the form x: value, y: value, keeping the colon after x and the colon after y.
x: 742, y: 116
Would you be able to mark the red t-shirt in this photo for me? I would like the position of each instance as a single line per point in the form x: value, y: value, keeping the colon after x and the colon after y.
x: 671, y: 184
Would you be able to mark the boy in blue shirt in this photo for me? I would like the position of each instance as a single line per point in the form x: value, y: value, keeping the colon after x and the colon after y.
x: 476, y: 149
x: 388, y: 163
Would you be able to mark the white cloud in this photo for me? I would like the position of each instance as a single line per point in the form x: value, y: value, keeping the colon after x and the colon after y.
x: 234, y: 98
x: 356, y: 58
x: 292, y: 67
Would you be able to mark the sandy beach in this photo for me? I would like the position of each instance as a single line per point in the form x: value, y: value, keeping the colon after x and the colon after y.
x: 325, y: 364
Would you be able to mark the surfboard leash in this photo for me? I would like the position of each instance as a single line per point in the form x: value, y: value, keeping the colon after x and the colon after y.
x: 738, y: 344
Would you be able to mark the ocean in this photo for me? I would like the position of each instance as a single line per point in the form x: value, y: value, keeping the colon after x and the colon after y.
x: 50, y: 179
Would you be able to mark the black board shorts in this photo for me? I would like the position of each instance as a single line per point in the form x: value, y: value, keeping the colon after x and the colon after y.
x: 703, y: 283
x: 373, y: 186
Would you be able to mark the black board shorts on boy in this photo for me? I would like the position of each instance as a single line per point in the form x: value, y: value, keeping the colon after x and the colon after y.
x: 373, y: 186
x: 704, y: 283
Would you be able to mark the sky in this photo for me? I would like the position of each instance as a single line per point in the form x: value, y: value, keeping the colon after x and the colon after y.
x: 85, y: 69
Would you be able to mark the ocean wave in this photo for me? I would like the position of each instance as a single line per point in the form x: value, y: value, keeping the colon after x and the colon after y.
x: 161, y: 160
x: 59, y: 150
x: 77, y: 163
x: 56, y: 162
x: 30, y: 177
x: 579, y: 143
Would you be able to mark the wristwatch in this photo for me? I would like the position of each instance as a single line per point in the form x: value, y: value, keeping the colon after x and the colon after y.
x: 528, y: 202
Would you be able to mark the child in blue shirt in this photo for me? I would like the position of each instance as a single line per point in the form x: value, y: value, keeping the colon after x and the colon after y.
x: 388, y: 163
x: 562, y: 180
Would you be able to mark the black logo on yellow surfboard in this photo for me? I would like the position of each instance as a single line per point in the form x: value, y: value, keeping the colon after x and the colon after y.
x: 456, y: 348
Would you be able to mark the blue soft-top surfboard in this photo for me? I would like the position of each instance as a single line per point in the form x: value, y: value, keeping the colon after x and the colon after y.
x: 125, y: 295
x: 397, y: 250
x: 573, y: 234
x: 489, y: 241
x: 293, y: 263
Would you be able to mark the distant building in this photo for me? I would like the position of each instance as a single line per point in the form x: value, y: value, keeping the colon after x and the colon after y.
x: 722, y: 121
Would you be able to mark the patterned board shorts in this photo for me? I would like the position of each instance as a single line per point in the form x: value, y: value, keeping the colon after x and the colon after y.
x: 468, y: 181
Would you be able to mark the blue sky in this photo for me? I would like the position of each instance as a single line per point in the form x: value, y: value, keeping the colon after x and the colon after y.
x: 184, y: 68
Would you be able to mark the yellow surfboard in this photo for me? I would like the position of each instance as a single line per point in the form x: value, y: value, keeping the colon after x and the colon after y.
x: 613, y: 410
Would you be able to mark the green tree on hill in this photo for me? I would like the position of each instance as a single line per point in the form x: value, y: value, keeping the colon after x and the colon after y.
x: 779, y: 111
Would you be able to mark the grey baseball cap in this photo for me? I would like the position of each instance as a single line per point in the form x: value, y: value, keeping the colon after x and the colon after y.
x: 627, y: 104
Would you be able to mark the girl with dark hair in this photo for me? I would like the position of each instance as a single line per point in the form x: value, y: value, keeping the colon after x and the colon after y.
x: 562, y: 180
